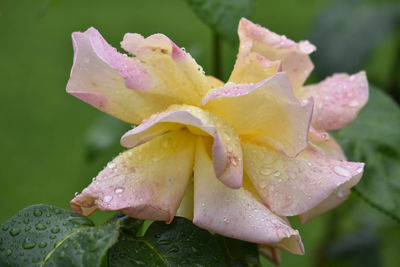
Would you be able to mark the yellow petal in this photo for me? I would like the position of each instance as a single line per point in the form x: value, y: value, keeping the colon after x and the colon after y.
x: 173, y: 70
x: 235, y: 213
x: 292, y: 186
x: 294, y: 57
x: 140, y: 182
x: 253, y: 68
x: 227, y: 153
x: 132, y: 89
x: 267, y: 111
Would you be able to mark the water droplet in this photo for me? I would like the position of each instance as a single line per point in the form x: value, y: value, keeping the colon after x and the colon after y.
x: 277, y: 173
x: 226, y: 220
x: 264, y: 183
x: 266, y: 171
x: 119, y: 190
x: 28, y: 228
x: 111, y: 165
x: 53, y: 237
x: 61, y: 254
x: 40, y: 227
x: 8, y: 252
x: 15, y: 231
x: 42, y: 244
x: 203, y: 204
x: 4, y: 228
x: 26, y: 221
x: 76, y: 193
x: 353, y: 103
x: 55, y: 230
x: 107, y: 198
x: 28, y: 244
x: 58, y: 211
x: 341, y: 192
x: 342, y: 171
x: 164, y: 242
x: 309, y: 163
x: 37, y: 213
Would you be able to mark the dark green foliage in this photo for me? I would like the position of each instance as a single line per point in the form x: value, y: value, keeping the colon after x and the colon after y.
x: 179, y: 244
x: 347, y: 32
x: 42, y: 235
x: 222, y: 15
x: 374, y: 138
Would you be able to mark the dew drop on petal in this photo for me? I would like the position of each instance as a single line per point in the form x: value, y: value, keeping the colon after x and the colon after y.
x: 119, y: 190
x: 107, y: 198
x: 264, y: 183
x: 111, y: 165
x: 353, y: 103
x: 341, y: 192
x: 342, y: 171
x: 266, y: 171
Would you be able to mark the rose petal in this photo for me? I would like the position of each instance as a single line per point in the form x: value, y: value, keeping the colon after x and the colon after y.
x: 294, y: 56
x: 332, y: 149
x: 338, y: 99
x: 253, y: 68
x: 128, y: 88
x: 235, y: 213
x: 292, y: 186
x: 175, y: 72
x: 227, y: 153
x: 267, y: 110
x: 140, y: 182
x: 186, y: 207
x: 329, y: 147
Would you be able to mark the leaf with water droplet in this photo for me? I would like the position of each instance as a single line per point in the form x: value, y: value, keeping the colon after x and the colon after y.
x: 42, y: 238
x: 177, y: 244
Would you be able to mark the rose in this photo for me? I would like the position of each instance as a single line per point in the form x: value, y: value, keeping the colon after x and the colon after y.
x: 235, y: 158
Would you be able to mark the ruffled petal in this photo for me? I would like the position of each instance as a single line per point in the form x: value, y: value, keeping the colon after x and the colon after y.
x: 140, y: 182
x: 333, y: 150
x: 329, y: 147
x: 268, y: 111
x: 294, y: 56
x: 128, y: 88
x: 253, y: 68
x: 338, y: 99
x: 227, y: 153
x: 174, y: 71
x: 292, y: 186
x: 235, y: 213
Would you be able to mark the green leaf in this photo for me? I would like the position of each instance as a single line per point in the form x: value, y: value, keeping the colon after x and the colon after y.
x: 179, y: 244
x: 374, y: 138
x: 42, y: 235
x: 347, y: 32
x: 222, y: 15
x: 104, y: 133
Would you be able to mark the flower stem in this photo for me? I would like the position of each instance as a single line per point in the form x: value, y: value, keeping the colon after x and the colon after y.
x: 217, y: 55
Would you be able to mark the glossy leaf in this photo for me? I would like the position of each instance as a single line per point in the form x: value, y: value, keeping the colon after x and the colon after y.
x: 42, y: 235
x: 374, y: 138
x: 178, y: 244
x: 346, y: 33
x: 222, y: 15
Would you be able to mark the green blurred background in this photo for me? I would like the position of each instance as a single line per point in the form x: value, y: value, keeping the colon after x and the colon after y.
x: 45, y: 141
